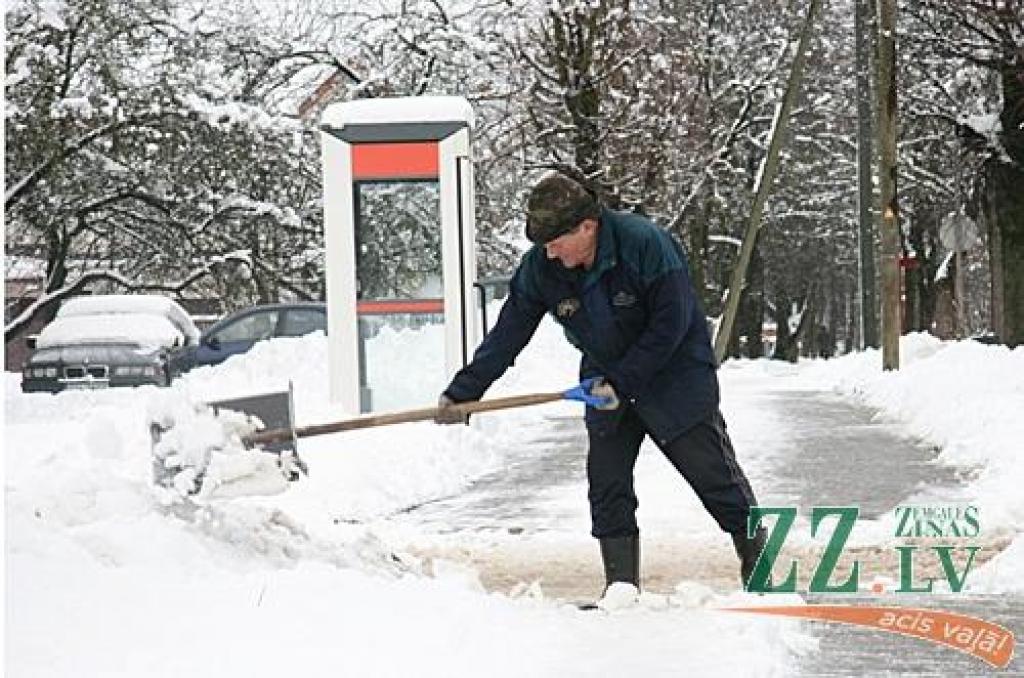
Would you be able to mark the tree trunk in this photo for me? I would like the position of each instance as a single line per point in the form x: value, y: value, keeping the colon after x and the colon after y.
x: 697, y: 250
x: 577, y: 36
x: 752, y: 307
x: 811, y: 336
x: 944, y: 318
x: 1004, y: 181
x: 787, y: 344
x: 995, y: 259
x: 784, y: 339
x: 919, y: 286
x: 889, y: 226
x: 1006, y: 245
x: 57, y: 246
x: 852, y: 324
x: 865, y: 188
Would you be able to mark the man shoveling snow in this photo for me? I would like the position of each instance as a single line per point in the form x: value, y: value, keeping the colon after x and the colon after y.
x: 620, y: 288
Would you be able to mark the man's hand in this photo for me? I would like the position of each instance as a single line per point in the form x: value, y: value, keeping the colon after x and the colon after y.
x: 446, y: 414
x: 603, y: 389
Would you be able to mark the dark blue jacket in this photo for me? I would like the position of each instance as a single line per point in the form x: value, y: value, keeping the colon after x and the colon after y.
x: 633, y: 315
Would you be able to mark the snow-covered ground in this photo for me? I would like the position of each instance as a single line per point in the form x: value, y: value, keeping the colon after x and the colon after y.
x: 105, y: 577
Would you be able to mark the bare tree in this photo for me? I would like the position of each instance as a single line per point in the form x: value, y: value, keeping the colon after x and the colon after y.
x: 968, y: 82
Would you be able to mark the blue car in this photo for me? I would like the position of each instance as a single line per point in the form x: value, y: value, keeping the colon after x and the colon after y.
x: 238, y: 332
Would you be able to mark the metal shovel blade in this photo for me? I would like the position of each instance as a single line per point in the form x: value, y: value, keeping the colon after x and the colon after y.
x: 275, y: 410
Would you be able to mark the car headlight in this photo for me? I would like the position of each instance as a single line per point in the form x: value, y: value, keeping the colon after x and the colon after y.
x: 135, y: 371
x: 41, y: 372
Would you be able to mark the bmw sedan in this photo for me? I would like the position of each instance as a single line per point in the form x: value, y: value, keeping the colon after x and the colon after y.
x: 108, y: 340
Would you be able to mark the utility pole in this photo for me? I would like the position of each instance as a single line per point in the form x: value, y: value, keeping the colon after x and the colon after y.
x: 889, y: 224
x: 863, y: 23
x: 763, y: 182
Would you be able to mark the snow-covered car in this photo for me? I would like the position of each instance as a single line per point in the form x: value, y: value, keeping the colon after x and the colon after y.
x: 108, y: 340
x: 239, y: 331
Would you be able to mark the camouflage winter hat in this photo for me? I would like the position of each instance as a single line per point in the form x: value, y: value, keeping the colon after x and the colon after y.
x: 557, y: 204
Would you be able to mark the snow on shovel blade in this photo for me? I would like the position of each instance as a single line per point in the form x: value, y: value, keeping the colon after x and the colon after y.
x: 200, y: 450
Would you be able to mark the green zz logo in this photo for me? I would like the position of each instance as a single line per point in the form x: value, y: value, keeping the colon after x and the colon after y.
x: 760, y: 579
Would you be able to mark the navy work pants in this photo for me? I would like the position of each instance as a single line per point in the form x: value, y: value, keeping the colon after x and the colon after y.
x: 703, y: 456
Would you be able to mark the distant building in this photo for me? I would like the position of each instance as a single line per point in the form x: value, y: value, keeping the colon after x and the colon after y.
x: 24, y: 279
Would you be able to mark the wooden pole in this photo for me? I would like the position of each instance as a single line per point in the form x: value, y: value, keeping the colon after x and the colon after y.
x: 868, y: 317
x: 889, y: 224
x: 763, y: 183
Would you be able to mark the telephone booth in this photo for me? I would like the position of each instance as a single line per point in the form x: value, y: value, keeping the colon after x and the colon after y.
x: 400, y: 246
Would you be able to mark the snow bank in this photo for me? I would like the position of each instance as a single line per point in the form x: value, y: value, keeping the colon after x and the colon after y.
x: 358, y: 475
x: 314, y: 619
x: 1002, y: 574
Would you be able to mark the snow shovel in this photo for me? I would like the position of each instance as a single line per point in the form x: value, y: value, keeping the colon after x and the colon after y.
x: 271, y: 436
x: 179, y: 463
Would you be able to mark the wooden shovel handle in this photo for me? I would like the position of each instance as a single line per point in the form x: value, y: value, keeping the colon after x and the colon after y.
x: 277, y: 435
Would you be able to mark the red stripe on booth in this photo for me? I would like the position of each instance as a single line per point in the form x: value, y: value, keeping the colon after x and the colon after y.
x: 404, y: 160
x: 395, y: 306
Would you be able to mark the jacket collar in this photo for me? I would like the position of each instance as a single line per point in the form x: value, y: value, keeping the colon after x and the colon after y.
x: 607, y: 255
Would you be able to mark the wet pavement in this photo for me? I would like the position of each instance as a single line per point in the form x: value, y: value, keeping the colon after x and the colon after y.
x: 834, y: 453
x: 846, y: 651
x: 839, y: 454
x: 513, y: 499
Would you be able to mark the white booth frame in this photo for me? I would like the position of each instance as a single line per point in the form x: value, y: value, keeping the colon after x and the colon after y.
x: 458, y: 239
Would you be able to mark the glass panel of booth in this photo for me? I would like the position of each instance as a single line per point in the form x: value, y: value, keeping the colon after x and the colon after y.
x: 399, y: 293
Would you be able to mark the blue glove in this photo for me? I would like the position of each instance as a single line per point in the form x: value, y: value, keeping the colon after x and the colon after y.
x: 605, y: 390
x: 603, y: 399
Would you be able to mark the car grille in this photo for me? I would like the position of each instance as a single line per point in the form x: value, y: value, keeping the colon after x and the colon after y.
x: 85, y: 371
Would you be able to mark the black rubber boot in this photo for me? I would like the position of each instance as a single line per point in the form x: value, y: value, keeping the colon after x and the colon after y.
x: 749, y: 550
x: 621, y: 556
